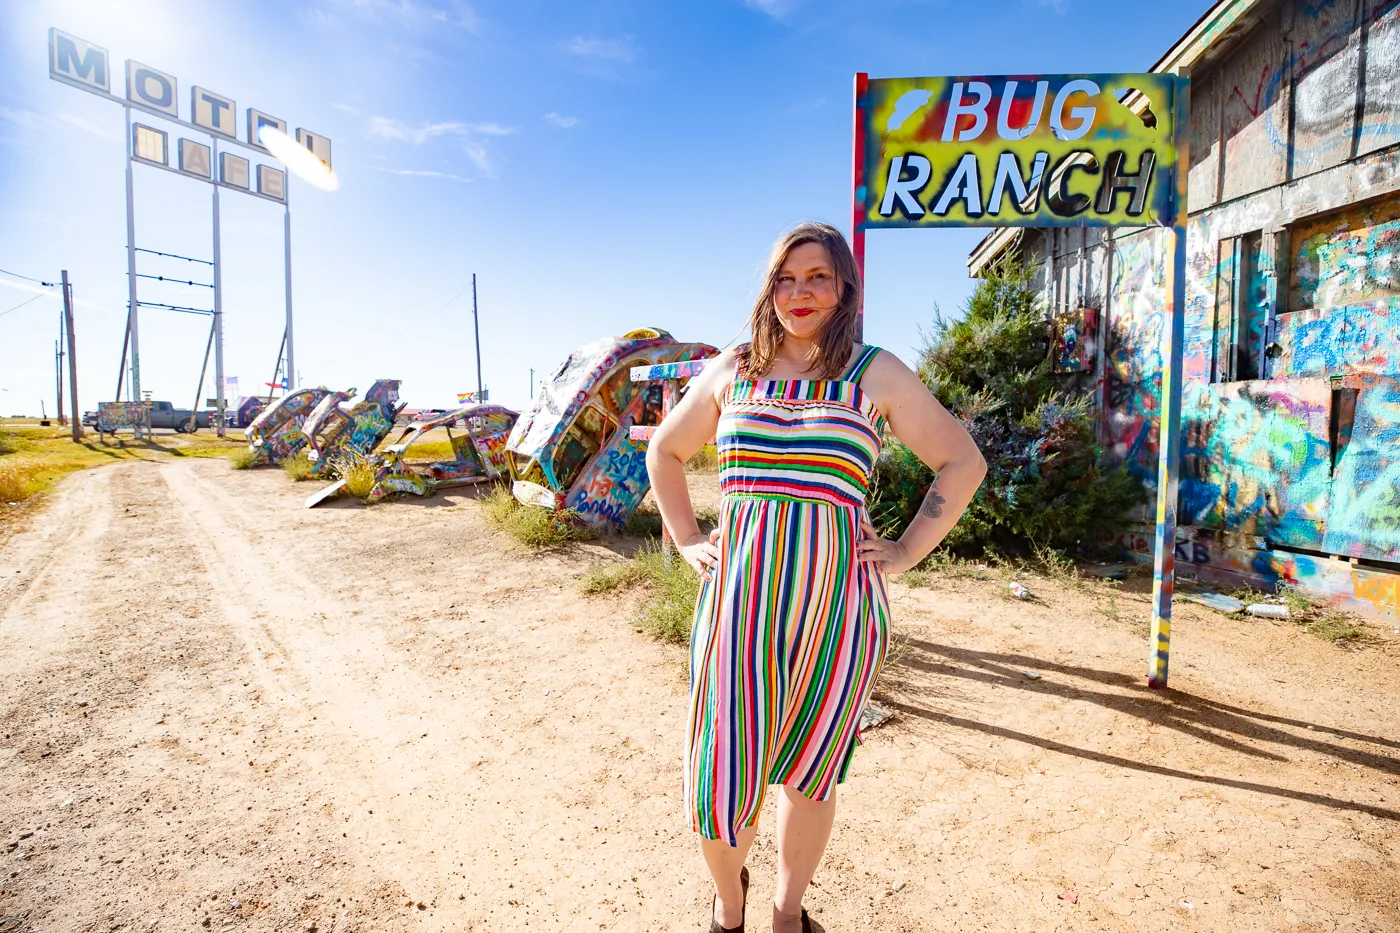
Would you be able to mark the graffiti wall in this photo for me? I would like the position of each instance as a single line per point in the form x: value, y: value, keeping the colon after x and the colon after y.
x: 1291, y: 397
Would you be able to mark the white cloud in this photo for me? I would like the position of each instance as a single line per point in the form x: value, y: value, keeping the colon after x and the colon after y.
x: 613, y: 50
x: 778, y: 9
x: 480, y: 158
x: 417, y: 173
x: 414, y: 15
x: 561, y: 121
x: 390, y: 128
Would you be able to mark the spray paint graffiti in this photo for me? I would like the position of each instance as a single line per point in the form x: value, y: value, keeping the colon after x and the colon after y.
x: 1364, y: 518
x: 573, y: 448
x: 332, y: 430
x: 276, y: 433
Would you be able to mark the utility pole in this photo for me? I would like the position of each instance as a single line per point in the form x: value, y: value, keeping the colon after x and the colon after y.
x: 58, y: 371
x: 217, y: 331
x: 476, y: 332
x: 72, y: 359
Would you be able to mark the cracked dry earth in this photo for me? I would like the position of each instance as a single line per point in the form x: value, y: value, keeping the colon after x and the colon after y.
x: 220, y: 710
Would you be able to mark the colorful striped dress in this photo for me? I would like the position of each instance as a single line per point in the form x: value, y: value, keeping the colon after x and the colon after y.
x: 790, y: 628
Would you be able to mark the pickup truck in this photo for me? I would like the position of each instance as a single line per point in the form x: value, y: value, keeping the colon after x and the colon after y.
x: 166, y: 415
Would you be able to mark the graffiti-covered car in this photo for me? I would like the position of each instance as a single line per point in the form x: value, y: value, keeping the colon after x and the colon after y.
x: 478, y: 455
x: 331, y: 429
x: 572, y: 448
x: 275, y: 433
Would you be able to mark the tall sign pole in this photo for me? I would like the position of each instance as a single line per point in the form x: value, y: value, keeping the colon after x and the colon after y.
x: 1169, y: 427
x: 218, y: 334
x: 72, y: 358
x: 133, y: 312
x: 287, y: 266
x: 476, y: 333
x: 858, y: 194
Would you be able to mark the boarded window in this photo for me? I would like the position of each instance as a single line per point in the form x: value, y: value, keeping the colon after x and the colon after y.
x: 1346, y: 257
x: 1241, y: 309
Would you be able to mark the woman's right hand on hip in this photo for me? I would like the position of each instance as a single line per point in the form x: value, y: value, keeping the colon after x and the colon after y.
x: 701, y: 551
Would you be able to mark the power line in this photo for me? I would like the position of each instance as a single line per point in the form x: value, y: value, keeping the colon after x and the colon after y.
x: 166, y: 278
x: 29, y: 278
x: 157, y: 304
x: 156, y: 252
x: 22, y: 304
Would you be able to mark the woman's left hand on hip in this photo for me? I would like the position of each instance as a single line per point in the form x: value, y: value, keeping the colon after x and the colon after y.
x: 892, y: 556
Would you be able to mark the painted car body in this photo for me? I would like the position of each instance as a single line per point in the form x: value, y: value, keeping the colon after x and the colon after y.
x: 572, y: 449
x: 478, y: 455
x: 275, y: 433
x: 361, y: 428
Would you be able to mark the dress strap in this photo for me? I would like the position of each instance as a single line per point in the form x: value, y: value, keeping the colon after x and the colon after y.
x: 857, y: 369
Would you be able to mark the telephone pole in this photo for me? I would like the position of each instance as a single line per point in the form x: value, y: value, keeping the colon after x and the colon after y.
x: 72, y: 358
x: 58, y: 371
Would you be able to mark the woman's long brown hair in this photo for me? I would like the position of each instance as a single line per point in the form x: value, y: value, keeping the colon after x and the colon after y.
x: 832, y: 349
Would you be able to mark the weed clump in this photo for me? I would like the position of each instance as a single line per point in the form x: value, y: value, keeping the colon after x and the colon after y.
x: 243, y: 459
x: 299, y: 466
x: 532, y: 525
x: 704, y: 460
x: 19, y: 481
x: 358, y: 473
x: 671, y: 589
x: 1326, y: 622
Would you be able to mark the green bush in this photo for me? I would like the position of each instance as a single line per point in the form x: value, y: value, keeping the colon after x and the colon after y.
x: 1047, y: 485
x: 299, y: 466
x: 243, y: 459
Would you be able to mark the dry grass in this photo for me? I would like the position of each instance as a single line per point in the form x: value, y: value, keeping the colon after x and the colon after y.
x: 33, y: 458
x: 532, y: 525
x: 359, y: 475
x: 1326, y: 622
x: 244, y: 459
x: 299, y: 466
x: 705, y: 460
x: 670, y: 588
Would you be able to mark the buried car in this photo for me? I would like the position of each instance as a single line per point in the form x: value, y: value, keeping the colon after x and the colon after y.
x: 478, y: 455
x: 330, y: 429
x: 275, y: 433
x: 573, y: 448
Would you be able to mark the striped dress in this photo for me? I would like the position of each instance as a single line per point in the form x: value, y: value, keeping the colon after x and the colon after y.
x: 790, y: 628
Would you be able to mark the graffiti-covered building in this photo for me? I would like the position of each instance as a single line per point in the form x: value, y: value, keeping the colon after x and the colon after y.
x: 1291, y: 392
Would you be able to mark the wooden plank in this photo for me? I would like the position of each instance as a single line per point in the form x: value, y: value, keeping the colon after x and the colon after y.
x: 1255, y: 108
x: 1327, y: 56
x: 1204, y: 178
x: 1380, y: 120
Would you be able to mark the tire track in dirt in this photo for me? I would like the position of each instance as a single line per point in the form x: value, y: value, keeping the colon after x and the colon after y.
x: 301, y: 639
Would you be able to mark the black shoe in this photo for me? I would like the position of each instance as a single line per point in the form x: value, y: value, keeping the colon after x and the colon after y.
x: 714, y: 924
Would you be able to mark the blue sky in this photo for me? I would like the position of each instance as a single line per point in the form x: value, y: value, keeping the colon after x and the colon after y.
x: 600, y: 165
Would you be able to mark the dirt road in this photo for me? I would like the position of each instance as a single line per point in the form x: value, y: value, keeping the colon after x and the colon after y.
x: 223, y: 711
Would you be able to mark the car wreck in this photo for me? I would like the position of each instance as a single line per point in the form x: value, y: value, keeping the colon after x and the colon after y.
x: 331, y: 430
x: 478, y: 455
x: 573, y: 449
x: 276, y: 433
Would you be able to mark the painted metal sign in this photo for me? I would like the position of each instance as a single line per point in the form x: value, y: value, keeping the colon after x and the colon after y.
x: 1029, y: 151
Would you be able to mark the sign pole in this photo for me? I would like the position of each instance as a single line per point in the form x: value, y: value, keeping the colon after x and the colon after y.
x: 218, y: 329
x: 72, y: 358
x: 1169, y: 425
x: 858, y: 194
x: 133, y: 312
x: 476, y: 332
x: 287, y: 265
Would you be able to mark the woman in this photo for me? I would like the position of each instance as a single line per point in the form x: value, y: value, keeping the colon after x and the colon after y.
x: 793, y: 617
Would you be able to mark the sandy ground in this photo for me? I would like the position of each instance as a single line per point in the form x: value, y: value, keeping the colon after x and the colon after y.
x: 223, y: 711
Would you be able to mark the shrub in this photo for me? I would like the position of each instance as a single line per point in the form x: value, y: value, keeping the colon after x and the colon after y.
x: 243, y: 459
x: 19, y: 481
x: 1047, y: 483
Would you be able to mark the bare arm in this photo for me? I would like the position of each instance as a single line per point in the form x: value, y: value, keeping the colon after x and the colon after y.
x: 684, y: 431
x: 941, y: 442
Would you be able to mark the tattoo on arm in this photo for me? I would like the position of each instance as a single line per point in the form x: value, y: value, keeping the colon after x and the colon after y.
x: 932, y: 506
